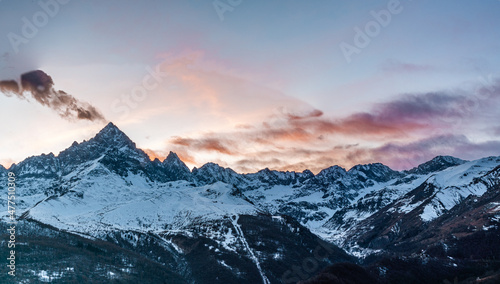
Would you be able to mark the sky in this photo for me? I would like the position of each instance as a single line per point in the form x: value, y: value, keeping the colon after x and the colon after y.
x: 285, y: 85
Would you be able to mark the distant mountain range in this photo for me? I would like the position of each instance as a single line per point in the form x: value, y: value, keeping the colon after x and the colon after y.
x: 102, y: 211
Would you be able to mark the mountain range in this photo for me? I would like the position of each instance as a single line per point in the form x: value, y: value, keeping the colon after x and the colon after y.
x: 102, y: 212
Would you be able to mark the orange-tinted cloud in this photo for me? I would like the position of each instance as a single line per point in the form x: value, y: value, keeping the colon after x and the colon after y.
x: 9, y: 87
x: 206, y: 144
x: 186, y: 157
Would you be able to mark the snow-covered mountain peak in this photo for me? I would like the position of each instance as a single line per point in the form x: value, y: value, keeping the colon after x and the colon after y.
x: 111, y: 146
x: 112, y: 135
x: 210, y: 167
x: 273, y: 177
x: 211, y: 172
x: 437, y: 164
x: 40, y: 166
x: 172, y: 158
x: 333, y: 171
x: 449, y: 159
x: 175, y: 169
x: 377, y: 171
x: 371, y: 167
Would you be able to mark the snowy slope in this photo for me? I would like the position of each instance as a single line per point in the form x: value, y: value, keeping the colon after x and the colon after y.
x: 421, y: 201
x: 102, y: 201
x: 455, y: 184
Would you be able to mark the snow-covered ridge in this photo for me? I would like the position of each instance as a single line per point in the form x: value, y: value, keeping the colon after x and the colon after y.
x: 106, y: 184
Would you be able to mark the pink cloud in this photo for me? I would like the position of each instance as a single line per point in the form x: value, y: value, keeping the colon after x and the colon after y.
x: 402, y: 133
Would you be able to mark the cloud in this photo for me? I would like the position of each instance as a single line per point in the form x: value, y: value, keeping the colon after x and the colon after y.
x: 38, y: 85
x: 222, y: 146
x: 402, y: 133
x: 9, y: 87
x: 399, y: 156
x: 400, y: 117
x: 311, y: 114
x: 422, y: 106
x: 199, y: 85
